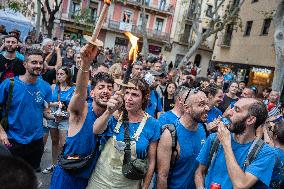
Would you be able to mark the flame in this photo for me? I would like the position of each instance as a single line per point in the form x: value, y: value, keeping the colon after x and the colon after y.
x: 107, y: 2
x: 133, y: 53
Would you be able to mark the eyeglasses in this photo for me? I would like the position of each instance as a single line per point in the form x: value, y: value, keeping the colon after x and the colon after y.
x: 191, y: 91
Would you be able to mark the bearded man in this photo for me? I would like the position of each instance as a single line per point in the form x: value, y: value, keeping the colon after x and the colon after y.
x: 10, y: 64
x: 176, y: 167
x: 227, y: 166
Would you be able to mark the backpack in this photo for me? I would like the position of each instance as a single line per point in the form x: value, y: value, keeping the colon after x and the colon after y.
x: 173, y: 132
x: 252, y: 153
x: 4, y: 120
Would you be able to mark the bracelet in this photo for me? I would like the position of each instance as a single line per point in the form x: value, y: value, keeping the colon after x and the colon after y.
x: 80, y: 68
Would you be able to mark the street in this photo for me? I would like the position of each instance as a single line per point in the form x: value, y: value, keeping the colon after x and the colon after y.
x: 46, y: 160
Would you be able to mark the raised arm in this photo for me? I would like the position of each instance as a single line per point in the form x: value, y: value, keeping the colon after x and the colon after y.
x: 78, y: 101
x: 239, y: 178
x: 59, y: 58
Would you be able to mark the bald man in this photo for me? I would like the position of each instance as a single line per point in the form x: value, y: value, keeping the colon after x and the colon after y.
x: 176, y: 168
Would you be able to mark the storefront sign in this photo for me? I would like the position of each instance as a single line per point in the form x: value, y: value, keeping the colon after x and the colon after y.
x: 261, y: 70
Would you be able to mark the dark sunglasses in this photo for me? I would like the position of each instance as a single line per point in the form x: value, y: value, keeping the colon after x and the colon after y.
x: 192, y: 91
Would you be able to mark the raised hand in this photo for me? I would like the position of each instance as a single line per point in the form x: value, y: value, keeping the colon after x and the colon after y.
x: 115, y: 102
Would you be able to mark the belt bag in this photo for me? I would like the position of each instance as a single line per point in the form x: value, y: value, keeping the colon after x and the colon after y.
x: 75, y: 164
x: 135, y: 169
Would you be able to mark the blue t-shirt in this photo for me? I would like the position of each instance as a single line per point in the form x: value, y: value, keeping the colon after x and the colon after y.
x: 65, y: 96
x: 229, y: 77
x: 261, y: 166
x: 213, y: 114
x: 84, y: 142
x: 278, y: 171
x: 168, y: 118
x: 150, y: 133
x: 26, y: 111
x: 18, y: 55
x: 154, y: 104
x: 182, y: 173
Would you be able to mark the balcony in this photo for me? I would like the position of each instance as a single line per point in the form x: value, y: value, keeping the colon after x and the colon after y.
x: 151, y: 34
x: 189, y: 14
x: 164, y: 10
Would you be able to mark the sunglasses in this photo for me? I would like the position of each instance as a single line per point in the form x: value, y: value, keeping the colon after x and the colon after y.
x: 191, y: 91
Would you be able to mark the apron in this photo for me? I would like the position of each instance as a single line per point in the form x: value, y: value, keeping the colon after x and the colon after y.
x: 108, y: 171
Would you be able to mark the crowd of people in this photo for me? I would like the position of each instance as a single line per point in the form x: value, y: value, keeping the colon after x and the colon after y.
x: 165, y: 128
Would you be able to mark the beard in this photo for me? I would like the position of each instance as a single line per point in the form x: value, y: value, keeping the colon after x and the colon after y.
x: 11, y: 49
x: 238, y: 127
x: 197, y: 117
x: 32, y: 73
x: 99, y: 103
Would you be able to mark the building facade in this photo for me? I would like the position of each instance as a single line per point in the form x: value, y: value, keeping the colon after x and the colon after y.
x: 182, y: 39
x: 249, y: 51
x: 122, y: 16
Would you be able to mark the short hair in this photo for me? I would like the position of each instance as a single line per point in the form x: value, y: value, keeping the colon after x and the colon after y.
x: 181, y: 90
x: 185, y: 72
x: 98, y: 64
x: 258, y: 109
x: 211, y: 89
x: 279, y: 131
x: 46, y: 41
x: 268, y: 89
x: 33, y: 52
x: 199, y: 80
x: 143, y: 86
x: 101, y: 76
x: 115, y: 69
x: 16, y: 173
x: 12, y: 35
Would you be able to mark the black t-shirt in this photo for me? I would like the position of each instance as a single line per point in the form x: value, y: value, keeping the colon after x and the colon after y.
x: 226, y: 103
x: 10, y: 68
x: 168, y: 104
x: 68, y: 62
x: 50, y: 75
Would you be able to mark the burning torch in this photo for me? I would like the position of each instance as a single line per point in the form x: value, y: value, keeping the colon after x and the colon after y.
x: 94, y: 39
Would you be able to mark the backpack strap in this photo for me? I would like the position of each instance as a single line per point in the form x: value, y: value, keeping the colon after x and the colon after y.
x: 213, y: 150
x: 4, y: 121
x: 253, y: 151
x: 172, y: 130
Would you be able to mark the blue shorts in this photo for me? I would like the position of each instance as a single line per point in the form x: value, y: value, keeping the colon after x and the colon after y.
x: 62, y: 125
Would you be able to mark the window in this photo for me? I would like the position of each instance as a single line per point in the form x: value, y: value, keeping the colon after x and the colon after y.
x: 76, y: 8
x: 254, y: 1
x: 209, y: 11
x: 159, y: 24
x: 94, y: 14
x: 248, y: 28
x: 228, y: 35
x: 266, y: 25
x: 185, y: 35
x: 126, y: 17
x: 140, y: 21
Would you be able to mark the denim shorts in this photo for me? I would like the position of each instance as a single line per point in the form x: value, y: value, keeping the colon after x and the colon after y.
x: 62, y: 125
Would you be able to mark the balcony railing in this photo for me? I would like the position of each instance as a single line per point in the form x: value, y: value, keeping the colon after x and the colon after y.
x: 167, y: 9
x: 153, y: 34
